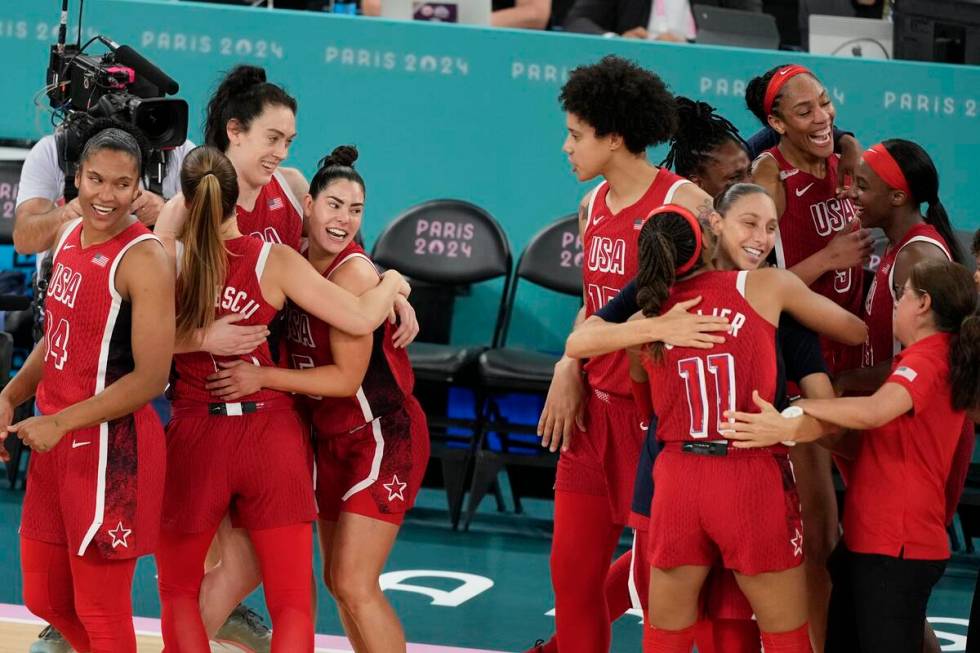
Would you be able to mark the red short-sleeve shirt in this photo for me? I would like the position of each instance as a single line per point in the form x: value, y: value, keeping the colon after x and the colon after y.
x: 895, y: 501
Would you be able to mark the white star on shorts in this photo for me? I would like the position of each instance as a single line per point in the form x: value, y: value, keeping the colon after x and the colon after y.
x: 119, y: 535
x: 395, y: 489
x: 797, y: 543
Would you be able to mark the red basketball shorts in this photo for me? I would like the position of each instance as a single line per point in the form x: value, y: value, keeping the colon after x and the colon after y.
x: 742, y: 508
x: 100, y: 486
x: 602, y: 460
x: 376, y: 470
x: 258, y: 467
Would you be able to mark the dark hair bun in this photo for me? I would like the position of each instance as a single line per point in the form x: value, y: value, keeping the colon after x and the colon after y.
x: 242, y: 78
x: 342, y: 155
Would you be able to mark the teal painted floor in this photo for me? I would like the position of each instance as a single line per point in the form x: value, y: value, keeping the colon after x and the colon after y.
x: 510, y: 551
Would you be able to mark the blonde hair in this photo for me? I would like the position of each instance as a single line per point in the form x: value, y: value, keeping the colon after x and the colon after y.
x: 210, y: 187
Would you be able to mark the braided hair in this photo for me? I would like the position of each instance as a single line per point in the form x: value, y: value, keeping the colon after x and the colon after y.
x: 700, y: 131
x: 667, y: 240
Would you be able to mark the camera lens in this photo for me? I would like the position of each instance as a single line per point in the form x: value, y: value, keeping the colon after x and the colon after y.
x: 162, y: 120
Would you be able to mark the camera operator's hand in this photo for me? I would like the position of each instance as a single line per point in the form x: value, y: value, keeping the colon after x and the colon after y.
x: 71, y: 210
x: 147, y: 207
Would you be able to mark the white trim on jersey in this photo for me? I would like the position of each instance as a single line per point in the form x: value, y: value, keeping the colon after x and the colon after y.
x: 261, y: 260
x: 350, y: 256
x: 669, y: 197
x: 110, y: 326
x: 914, y: 239
x: 896, y: 345
x: 595, y: 193
x: 67, y: 232
x: 379, y: 447
x: 740, y: 281
x: 631, y: 582
x: 288, y: 192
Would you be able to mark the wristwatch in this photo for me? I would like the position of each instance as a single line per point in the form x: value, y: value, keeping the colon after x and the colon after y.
x: 791, y: 412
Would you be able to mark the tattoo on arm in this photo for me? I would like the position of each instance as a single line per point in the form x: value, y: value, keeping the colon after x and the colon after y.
x: 705, y: 209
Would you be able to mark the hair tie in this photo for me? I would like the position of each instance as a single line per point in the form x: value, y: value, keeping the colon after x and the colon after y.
x: 884, y: 165
x: 778, y: 80
x: 695, y: 226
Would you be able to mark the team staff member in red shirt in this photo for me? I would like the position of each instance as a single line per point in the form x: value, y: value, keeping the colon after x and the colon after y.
x: 894, y: 546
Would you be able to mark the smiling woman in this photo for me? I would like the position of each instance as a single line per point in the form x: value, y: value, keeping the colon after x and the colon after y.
x: 818, y: 239
x: 96, y: 479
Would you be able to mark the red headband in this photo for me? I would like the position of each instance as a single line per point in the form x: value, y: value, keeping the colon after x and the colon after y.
x: 777, y: 81
x: 695, y: 226
x: 885, y: 166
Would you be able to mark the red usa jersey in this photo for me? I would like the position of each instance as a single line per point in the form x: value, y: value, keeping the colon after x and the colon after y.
x: 812, y: 217
x: 277, y: 216
x: 714, y: 380
x: 87, y: 323
x: 241, y: 294
x: 611, y: 262
x: 880, y: 302
x: 387, y: 382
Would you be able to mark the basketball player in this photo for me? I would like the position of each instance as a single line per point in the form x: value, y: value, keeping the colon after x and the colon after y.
x: 614, y: 111
x: 895, y: 547
x: 250, y: 457
x: 95, y: 481
x: 372, y: 443
x: 892, y: 182
x: 744, y: 242
x: 703, y: 487
x: 819, y: 238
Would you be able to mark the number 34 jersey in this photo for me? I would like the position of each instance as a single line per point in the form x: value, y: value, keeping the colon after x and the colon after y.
x: 87, y: 323
x: 692, y: 388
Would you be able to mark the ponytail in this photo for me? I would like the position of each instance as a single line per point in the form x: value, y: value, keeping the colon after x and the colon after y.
x: 210, y: 187
x: 923, y: 180
x: 954, y: 310
x: 964, y: 363
x: 667, y: 241
x: 242, y: 95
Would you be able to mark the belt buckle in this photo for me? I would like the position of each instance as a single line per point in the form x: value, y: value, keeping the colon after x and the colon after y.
x: 705, y: 448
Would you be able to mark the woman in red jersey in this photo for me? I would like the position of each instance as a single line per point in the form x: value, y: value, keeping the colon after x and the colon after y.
x: 614, y: 111
x: 745, y: 231
x: 894, y: 545
x: 710, y: 501
x: 372, y: 440
x: 95, y: 481
x: 249, y: 457
x: 819, y: 239
x: 892, y: 181
x: 253, y: 121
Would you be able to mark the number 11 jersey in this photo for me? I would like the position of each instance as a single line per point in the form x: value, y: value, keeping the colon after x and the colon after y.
x: 692, y: 388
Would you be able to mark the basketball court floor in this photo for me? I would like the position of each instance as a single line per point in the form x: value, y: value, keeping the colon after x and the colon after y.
x: 482, y: 591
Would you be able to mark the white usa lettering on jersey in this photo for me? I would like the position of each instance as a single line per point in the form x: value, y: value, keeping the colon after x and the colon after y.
x: 607, y: 255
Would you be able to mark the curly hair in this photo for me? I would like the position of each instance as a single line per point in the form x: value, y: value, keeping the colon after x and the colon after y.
x: 616, y: 96
x: 699, y: 132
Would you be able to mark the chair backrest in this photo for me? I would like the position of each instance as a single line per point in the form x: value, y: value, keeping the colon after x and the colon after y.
x: 553, y: 260
x: 965, y: 239
x: 447, y: 242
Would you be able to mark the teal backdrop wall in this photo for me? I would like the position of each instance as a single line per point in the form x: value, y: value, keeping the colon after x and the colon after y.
x: 457, y: 111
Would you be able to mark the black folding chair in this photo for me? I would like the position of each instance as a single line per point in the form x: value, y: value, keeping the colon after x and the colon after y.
x: 447, y: 245
x: 552, y: 260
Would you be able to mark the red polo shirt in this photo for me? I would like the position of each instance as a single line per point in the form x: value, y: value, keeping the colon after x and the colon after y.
x: 895, y: 501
